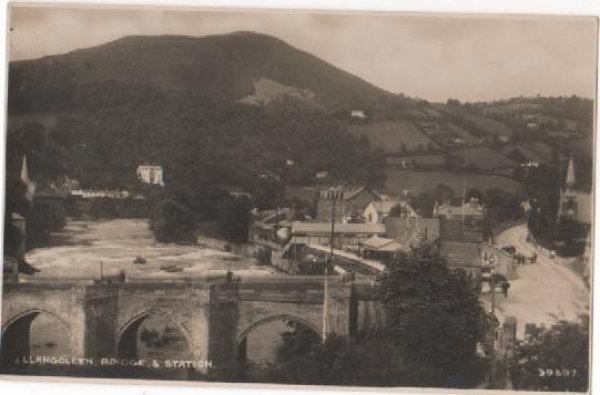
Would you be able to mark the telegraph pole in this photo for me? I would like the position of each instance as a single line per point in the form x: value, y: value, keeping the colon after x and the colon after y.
x: 330, y: 260
x: 325, y: 307
x: 493, y: 311
x: 332, y: 235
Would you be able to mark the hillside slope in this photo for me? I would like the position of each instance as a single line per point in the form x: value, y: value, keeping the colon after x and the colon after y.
x: 222, y: 67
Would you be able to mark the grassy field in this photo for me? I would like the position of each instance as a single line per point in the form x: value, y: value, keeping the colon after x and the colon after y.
x: 488, y: 126
x: 535, y: 151
x: 391, y: 135
x: 415, y: 182
x: 484, y: 158
x: 424, y: 160
x: 460, y: 132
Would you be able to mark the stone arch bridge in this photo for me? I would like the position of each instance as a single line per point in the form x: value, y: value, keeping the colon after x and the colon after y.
x: 101, y: 319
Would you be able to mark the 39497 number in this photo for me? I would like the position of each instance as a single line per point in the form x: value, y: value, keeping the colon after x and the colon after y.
x: 564, y: 372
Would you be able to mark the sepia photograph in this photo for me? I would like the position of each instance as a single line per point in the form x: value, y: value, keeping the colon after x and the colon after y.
x: 298, y: 197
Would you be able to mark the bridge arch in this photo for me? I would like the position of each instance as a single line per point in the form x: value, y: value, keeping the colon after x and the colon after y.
x: 279, y: 317
x: 127, y: 334
x: 241, y: 345
x: 32, y: 313
x: 16, y: 336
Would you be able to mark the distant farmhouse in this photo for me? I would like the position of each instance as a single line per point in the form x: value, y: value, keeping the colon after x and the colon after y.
x: 150, y: 174
x: 360, y: 114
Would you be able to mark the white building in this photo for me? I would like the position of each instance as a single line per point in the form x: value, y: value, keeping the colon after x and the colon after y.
x: 150, y: 174
x: 358, y: 114
x: 376, y: 211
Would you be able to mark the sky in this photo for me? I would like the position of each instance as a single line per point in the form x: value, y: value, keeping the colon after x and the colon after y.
x: 433, y: 57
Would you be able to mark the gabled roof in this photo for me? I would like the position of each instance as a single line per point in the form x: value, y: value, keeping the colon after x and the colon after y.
x: 349, y: 191
x: 385, y: 206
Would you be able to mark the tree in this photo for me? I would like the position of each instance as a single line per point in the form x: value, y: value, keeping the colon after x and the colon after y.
x: 398, y: 211
x: 502, y: 206
x: 423, y: 204
x: 304, y: 359
x: 433, y: 314
x: 235, y: 218
x: 172, y: 222
x: 556, y: 359
x: 443, y: 193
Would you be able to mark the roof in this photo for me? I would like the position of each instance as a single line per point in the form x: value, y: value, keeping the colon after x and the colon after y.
x: 325, y: 227
x: 408, y: 230
x: 382, y: 244
x: 349, y: 192
x: 385, y: 206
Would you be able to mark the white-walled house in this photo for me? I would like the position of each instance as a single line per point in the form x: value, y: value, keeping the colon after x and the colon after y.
x: 150, y: 174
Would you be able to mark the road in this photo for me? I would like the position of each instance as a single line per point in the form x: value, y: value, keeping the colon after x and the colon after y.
x: 544, y: 292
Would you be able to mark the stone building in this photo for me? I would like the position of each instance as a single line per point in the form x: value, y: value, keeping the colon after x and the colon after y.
x: 462, y: 234
x: 346, y: 204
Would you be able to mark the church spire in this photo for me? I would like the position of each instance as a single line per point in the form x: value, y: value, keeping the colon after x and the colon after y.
x: 570, y: 182
x: 25, y: 178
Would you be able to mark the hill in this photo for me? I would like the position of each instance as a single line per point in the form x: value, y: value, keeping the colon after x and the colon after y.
x: 228, y: 109
x: 222, y: 67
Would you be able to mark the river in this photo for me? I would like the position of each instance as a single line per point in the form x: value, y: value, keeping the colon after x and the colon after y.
x: 83, y: 248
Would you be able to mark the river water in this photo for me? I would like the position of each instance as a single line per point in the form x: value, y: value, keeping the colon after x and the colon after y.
x: 85, y: 248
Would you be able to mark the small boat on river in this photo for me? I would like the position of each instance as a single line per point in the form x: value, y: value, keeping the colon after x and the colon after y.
x: 139, y: 260
x: 171, y: 268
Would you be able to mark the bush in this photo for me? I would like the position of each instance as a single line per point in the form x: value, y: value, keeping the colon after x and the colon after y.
x: 172, y: 222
